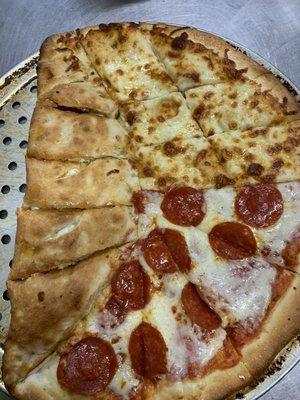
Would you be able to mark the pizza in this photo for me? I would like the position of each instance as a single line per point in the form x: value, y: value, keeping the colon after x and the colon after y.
x: 157, y: 247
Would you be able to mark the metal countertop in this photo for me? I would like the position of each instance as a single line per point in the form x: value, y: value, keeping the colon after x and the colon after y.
x: 270, y: 28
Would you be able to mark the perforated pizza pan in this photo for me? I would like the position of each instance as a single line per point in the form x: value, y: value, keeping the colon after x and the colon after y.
x: 17, y: 100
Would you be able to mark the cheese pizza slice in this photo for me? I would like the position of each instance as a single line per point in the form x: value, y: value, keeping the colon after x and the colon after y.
x: 193, y: 63
x: 50, y: 238
x: 95, y: 362
x: 67, y: 76
x: 241, y: 105
x: 159, y: 120
x: 268, y: 154
x: 57, y: 184
x: 125, y: 59
x: 188, y: 162
x: 63, y: 135
x: 45, y: 308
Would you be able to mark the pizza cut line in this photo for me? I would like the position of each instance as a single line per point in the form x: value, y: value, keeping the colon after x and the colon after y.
x: 157, y: 247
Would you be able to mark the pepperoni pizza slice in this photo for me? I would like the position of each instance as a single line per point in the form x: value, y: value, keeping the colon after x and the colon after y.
x: 45, y: 308
x: 95, y: 361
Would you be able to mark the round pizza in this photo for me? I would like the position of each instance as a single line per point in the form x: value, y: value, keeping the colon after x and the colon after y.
x: 157, y: 248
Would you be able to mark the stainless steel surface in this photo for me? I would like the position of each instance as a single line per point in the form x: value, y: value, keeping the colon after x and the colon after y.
x: 270, y: 28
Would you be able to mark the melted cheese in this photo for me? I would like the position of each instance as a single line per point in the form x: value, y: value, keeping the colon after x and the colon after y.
x: 185, y: 341
x: 276, y: 236
x: 237, y: 290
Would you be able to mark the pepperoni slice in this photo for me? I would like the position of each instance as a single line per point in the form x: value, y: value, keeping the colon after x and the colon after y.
x: 157, y: 254
x: 178, y: 249
x: 184, y: 206
x: 138, y: 202
x: 131, y: 286
x: 291, y: 252
x: 197, y: 310
x: 259, y: 206
x: 148, y: 351
x: 88, y: 367
x: 232, y: 240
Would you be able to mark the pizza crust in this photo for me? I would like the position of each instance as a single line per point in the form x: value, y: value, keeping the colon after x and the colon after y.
x: 63, y: 135
x: 280, y: 326
x: 216, y: 385
x: 57, y: 184
x: 50, y: 238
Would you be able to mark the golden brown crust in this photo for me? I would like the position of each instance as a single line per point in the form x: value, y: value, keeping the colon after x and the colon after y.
x: 44, y: 309
x: 63, y: 135
x: 280, y: 326
x: 216, y: 385
x: 80, y: 97
x: 46, y: 239
x: 56, y: 184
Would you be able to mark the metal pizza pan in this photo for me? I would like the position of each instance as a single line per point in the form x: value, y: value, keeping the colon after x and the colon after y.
x: 17, y: 100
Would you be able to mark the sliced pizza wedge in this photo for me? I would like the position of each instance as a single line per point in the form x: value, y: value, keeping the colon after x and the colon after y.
x: 47, y: 239
x: 95, y: 362
x: 159, y: 120
x: 45, y: 308
x: 195, y: 58
x: 63, y: 135
x: 125, y: 59
x: 58, y: 184
x: 188, y: 162
x: 241, y: 105
x: 67, y: 77
x: 267, y: 155
x: 190, y: 62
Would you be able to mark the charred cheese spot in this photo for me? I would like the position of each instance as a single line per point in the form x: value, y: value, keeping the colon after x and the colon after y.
x: 255, y: 169
x: 180, y: 42
x: 170, y: 149
x: 222, y: 180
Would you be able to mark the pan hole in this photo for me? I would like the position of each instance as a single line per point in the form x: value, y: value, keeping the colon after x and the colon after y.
x: 5, y: 189
x: 3, y: 214
x: 22, y: 120
x: 16, y: 105
x: 0, y: 320
x: 5, y: 295
x: 23, y: 144
x: 5, y: 239
x: 10, y: 263
x: 12, y: 166
x: 2, y: 123
x: 7, y: 141
x: 33, y: 89
x: 22, y: 188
